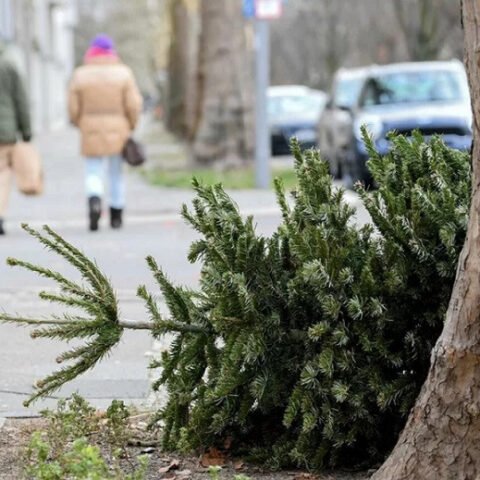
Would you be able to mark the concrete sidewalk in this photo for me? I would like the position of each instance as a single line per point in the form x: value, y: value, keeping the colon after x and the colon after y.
x: 64, y: 202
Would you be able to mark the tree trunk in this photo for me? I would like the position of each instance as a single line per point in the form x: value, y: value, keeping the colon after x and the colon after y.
x: 442, y: 437
x: 225, y: 104
x: 420, y: 27
x: 183, y: 57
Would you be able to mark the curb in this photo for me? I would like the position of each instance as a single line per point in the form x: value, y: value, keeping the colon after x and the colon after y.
x: 2, y: 422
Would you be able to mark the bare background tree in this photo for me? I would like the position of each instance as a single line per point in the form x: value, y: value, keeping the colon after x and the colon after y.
x: 225, y: 101
x: 430, y: 28
x: 315, y: 38
x: 181, y: 108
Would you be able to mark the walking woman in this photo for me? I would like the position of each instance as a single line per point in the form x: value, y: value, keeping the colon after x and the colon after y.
x: 105, y: 104
x: 14, y: 120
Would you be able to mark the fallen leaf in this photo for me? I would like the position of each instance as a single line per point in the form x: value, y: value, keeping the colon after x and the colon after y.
x: 174, y: 464
x: 213, y: 458
x: 238, y: 464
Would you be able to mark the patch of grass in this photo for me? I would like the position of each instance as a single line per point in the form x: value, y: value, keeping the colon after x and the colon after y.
x: 236, y: 179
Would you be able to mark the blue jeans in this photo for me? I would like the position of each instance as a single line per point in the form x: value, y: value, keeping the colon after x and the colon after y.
x: 94, y: 179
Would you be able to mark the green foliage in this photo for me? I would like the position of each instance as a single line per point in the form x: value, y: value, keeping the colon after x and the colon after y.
x: 72, y: 419
x: 80, y: 461
x: 214, y: 472
x: 98, y: 326
x: 66, y: 449
x: 310, y: 346
x: 38, y: 464
x: 117, y: 432
x: 420, y: 209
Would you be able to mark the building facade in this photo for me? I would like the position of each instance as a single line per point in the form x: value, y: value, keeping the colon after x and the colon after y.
x: 40, y: 39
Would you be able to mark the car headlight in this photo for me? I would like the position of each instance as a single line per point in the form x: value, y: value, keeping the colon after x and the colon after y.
x: 373, y: 125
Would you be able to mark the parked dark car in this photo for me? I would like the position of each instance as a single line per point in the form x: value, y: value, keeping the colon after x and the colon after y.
x: 431, y: 97
x: 294, y: 111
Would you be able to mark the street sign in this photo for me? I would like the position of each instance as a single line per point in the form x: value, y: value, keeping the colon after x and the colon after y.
x: 263, y: 9
x: 249, y: 8
x: 268, y: 9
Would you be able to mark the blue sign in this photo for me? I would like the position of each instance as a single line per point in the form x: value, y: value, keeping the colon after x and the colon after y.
x: 249, y: 9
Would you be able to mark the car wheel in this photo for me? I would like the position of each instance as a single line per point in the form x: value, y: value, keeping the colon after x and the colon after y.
x: 337, y: 173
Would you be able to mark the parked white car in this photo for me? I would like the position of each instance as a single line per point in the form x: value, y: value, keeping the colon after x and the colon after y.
x: 294, y: 111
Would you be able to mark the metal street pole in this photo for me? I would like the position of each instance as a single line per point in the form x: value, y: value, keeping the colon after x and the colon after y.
x: 263, y: 148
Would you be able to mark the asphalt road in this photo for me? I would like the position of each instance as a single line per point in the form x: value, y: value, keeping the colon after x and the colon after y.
x: 152, y: 226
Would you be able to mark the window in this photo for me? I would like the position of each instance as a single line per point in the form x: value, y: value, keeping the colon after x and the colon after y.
x: 347, y: 91
x: 413, y: 87
x: 280, y: 106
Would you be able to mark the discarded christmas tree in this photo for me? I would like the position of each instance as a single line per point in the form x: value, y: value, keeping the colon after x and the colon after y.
x: 308, y: 347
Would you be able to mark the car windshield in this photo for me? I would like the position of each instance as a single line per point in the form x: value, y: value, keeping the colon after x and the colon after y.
x: 413, y: 87
x: 347, y: 91
x: 280, y: 106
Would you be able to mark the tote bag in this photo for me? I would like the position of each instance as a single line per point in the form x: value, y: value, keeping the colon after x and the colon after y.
x: 27, y: 168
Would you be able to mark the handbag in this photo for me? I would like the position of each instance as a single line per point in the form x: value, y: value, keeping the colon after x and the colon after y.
x: 27, y: 168
x: 134, y: 153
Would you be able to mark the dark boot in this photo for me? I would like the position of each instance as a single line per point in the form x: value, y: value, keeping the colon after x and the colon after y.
x: 116, y: 217
x: 2, y: 230
x: 94, y: 212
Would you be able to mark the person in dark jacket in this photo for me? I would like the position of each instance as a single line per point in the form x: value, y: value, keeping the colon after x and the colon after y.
x: 14, y: 121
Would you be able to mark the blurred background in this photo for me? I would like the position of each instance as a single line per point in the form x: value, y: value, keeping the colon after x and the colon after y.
x: 194, y: 60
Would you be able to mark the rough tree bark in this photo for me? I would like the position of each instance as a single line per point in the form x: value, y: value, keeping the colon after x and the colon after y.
x: 225, y: 104
x: 441, y: 440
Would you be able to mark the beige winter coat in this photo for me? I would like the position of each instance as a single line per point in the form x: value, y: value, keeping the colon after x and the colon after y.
x: 104, y: 103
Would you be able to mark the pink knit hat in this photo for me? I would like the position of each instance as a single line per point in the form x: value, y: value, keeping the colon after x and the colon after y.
x: 101, y: 46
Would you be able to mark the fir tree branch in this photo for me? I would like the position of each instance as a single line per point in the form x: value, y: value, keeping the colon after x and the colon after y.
x: 124, y: 323
x: 101, y: 324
